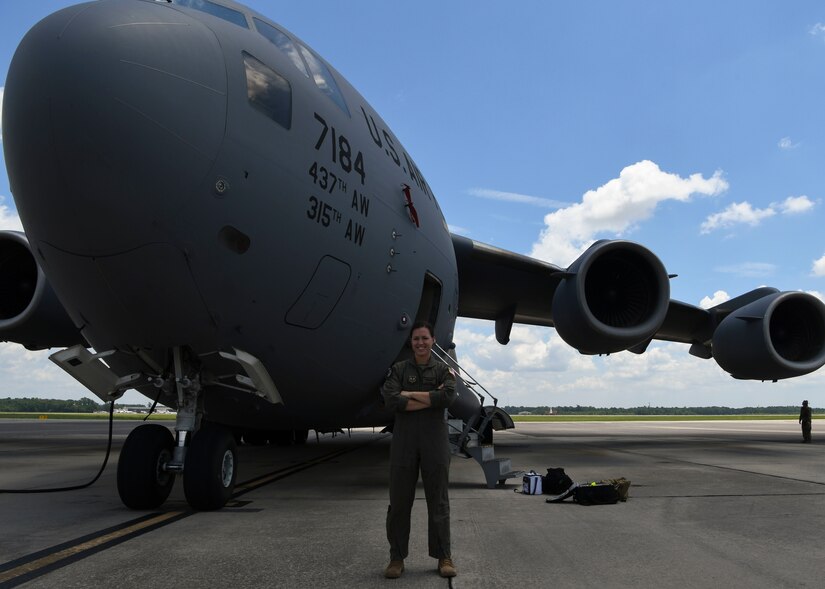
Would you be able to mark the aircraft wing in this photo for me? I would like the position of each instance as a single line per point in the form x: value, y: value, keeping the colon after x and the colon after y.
x: 499, y: 285
x: 616, y: 296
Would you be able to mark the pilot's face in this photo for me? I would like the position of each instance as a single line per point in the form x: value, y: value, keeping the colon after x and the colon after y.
x: 422, y: 343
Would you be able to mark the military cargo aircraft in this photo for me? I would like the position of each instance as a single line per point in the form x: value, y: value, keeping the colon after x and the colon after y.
x: 216, y: 218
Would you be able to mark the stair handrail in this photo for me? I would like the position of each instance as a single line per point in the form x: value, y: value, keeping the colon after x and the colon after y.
x: 442, y: 355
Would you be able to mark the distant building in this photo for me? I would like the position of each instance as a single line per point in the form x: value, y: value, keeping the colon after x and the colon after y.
x: 142, y: 409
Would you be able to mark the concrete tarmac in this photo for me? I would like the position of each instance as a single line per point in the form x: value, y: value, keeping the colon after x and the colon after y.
x: 712, y: 504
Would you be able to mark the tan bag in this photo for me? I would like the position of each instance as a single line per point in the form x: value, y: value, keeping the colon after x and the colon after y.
x: 622, y: 486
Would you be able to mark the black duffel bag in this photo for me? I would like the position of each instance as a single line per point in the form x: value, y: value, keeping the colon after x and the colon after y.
x: 595, y: 494
x: 555, y: 482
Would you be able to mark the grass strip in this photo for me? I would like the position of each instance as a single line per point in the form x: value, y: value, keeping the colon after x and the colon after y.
x: 546, y: 418
x: 104, y: 416
x: 516, y: 418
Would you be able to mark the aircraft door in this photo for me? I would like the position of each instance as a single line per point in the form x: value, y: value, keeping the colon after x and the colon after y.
x: 430, y: 300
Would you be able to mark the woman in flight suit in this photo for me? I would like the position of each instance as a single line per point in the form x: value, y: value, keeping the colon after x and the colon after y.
x: 419, y: 391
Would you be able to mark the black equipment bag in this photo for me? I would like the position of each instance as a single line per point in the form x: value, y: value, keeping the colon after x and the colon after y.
x: 555, y: 482
x: 595, y: 494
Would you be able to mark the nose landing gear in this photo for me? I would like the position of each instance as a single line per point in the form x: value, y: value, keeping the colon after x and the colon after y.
x: 207, y: 457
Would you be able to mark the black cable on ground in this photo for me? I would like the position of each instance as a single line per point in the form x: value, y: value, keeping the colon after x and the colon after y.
x: 152, y: 409
x: 76, y: 487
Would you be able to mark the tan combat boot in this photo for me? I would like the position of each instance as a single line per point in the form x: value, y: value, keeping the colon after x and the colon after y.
x: 446, y: 568
x: 394, y: 569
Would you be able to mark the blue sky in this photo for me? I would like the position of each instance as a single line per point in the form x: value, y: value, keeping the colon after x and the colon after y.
x: 694, y: 128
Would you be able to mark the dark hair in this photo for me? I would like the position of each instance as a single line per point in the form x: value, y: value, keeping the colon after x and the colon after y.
x: 420, y: 324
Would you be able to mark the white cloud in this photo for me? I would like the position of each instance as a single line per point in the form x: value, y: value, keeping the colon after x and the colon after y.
x: 719, y: 297
x: 545, y: 371
x: 818, y: 268
x: 537, y: 201
x: 26, y: 373
x: 740, y: 213
x: 736, y: 213
x: 748, y: 269
x: 794, y: 205
x: 818, y: 30
x: 616, y: 207
x: 786, y: 144
x: 458, y: 229
x: 530, y: 348
x: 9, y: 220
x: 817, y: 294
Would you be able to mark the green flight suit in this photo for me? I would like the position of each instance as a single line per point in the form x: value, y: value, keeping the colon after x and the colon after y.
x: 419, y: 441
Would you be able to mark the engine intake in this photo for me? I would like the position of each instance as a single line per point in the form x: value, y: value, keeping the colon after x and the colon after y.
x: 778, y: 336
x: 30, y: 313
x: 613, y: 297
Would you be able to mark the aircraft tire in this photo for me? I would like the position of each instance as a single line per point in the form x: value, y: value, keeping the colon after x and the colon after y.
x: 210, y: 469
x: 141, y: 481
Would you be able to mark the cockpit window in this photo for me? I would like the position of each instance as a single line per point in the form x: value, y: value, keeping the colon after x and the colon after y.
x: 323, y: 78
x: 268, y: 91
x: 227, y: 14
x: 282, y: 42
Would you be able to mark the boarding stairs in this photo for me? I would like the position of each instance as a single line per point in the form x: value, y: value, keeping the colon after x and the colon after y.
x: 471, y: 436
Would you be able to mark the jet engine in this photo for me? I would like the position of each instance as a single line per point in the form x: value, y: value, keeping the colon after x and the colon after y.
x: 30, y: 313
x: 613, y: 297
x: 778, y: 336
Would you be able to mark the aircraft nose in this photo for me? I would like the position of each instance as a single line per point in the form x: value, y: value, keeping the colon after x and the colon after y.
x: 114, y: 113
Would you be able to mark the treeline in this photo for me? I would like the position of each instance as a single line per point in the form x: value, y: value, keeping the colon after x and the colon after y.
x: 32, y: 405
x: 585, y: 410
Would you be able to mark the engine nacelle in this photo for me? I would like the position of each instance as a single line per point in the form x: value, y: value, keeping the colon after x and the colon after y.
x: 778, y: 336
x: 613, y: 297
x: 30, y: 313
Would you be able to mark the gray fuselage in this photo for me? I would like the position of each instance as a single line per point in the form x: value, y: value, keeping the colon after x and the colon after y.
x: 177, y: 193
